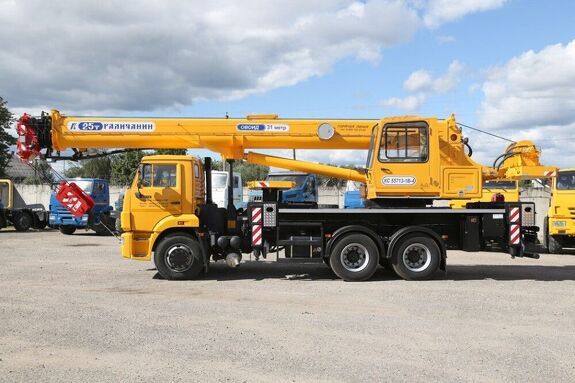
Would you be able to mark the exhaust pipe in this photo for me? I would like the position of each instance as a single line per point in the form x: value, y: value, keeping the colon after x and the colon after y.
x: 233, y: 259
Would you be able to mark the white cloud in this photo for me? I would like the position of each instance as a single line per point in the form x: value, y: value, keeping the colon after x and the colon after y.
x: 422, y: 83
x: 409, y: 103
x: 441, y: 11
x: 148, y: 55
x: 532, y: 96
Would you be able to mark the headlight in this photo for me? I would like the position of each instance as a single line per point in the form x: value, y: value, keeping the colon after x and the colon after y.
x: 559, y: 223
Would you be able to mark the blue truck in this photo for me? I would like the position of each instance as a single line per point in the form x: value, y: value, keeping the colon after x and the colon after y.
x: 99, y: 219
x: 352, y: 198
x: 305, y: 190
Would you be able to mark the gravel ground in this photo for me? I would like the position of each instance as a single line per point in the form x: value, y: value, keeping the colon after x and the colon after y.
x: 71, y: 309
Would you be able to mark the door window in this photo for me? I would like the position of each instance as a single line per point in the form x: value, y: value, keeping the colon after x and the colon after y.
x: 161, y: 176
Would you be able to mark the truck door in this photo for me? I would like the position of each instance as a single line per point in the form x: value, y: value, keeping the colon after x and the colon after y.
x: 402, y: 165
x: 5, y: 194
x: 159, y: 194
x: 101, y: 194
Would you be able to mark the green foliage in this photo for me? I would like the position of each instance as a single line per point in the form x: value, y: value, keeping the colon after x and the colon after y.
x: 172, y: 152
x: 91, y: 168
x: 6, y: 140
x: 124, y: 167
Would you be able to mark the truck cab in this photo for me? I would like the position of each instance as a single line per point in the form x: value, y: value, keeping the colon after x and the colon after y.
x: 220, y: 189
x: 304, y: 191
x: 560, y: 223
x: 99, y: 190
x: 352, y: 198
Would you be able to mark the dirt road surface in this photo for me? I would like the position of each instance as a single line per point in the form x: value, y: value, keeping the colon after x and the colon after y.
x: 71, y: 309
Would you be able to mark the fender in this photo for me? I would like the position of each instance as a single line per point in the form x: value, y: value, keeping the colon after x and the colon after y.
x: 354, y: 229
x: 418, y: 229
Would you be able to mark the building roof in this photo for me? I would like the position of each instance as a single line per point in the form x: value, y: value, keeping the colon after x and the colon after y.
x: 18, y: 170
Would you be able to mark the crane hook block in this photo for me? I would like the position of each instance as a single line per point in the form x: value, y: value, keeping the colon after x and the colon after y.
x: 74, y: 199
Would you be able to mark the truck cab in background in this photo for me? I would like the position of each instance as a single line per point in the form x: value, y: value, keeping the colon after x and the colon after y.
x: 220, y: 189
x: 352, y: 198
x: 305, y: 188
x: 98, y: 218
x: 14, y: 211
x: 559, y: 226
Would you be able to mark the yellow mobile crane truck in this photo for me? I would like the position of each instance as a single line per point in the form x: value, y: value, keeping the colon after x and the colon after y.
x: 168, y: 213
x: 559, y: 230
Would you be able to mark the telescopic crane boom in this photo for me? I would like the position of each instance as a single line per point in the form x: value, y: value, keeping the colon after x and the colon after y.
x: 408, y: 156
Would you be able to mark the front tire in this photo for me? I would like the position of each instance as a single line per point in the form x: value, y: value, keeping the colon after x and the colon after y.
x: 23, y: 221
x: 416, y: 257
x: 179, y: 257
x: 354, y: 257
x: 67, y: 229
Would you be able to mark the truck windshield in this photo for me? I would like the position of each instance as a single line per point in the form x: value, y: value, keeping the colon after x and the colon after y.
x: 297, y: 179
x: 84, y: 185
x: 566, y: 181
x: 219, y: 180
x: 505, y: 185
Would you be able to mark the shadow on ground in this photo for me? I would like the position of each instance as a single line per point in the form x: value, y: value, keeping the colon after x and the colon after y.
x: 315, y: 271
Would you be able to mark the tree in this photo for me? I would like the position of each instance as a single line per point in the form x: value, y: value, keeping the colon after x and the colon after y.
x: 124, y: 167
x: 91, y: 168
x: 172, y: 152
x: 251, y: 172
x: 6, y: 140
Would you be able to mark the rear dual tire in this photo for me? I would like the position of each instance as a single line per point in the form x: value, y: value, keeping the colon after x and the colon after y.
x: 23, y: 221
x: 416, y: 257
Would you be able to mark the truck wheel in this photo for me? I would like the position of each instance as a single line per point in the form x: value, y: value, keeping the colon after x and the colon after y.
x: 416, y: 257
x: 23, y: 221
x: 354, y: 257
x: 67, y: 229
x: 552, y: 243
x: 178, y: 257
x: 41, y: 225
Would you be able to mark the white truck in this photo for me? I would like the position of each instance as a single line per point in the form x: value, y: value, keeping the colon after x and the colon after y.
x: 220, y: 189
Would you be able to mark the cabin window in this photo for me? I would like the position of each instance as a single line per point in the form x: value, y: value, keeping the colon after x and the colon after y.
x: 404, y: 142
x: 164, y: 176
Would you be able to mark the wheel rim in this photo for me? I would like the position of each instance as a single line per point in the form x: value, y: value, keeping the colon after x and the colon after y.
x: 179, y: 258
x: 354, y: 257
x: 416, y: 257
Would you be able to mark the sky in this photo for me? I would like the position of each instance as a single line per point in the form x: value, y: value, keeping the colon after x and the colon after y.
x: 504, y: 66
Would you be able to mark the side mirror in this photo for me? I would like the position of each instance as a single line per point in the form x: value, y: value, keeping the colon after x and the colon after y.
x: 139, y: 176
x: 139, y: 173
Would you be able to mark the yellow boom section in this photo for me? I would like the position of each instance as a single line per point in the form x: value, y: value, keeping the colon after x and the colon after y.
x: 228, y: 136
